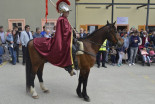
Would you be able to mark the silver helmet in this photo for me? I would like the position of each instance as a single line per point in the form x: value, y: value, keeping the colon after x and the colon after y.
x: 63, y: 7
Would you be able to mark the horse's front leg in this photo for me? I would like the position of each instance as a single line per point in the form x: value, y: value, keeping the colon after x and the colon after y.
x: 78, y: 90
x: 85, y: 80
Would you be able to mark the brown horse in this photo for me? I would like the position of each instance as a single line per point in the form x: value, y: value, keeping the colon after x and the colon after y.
x: 35, y: 62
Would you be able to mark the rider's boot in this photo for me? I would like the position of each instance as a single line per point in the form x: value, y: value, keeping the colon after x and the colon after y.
x: 70, y: 70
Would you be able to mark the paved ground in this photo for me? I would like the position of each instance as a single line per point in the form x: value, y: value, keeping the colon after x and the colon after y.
x: 114, y: 85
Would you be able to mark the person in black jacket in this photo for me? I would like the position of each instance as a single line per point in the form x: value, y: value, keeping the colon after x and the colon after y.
x: 17, y: 35
x: 134, y: 40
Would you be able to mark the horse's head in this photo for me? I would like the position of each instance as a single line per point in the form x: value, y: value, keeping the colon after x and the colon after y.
x: 112, y: 34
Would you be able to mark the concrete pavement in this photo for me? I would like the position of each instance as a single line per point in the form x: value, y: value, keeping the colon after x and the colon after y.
x: 114, y: 85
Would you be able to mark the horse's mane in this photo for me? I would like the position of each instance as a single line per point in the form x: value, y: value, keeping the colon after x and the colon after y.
x: 93, y: 34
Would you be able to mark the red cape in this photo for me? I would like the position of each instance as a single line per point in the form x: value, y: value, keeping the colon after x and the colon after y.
x: 57, y: 50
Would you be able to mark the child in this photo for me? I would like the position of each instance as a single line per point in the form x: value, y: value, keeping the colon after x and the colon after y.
x: 152, y: 53
x: 121, y: 54
x: 113, y: 55
x: 145, y: 57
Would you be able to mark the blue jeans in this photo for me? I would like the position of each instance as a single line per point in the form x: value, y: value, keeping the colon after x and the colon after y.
x: 133, y: 53
x: 13, y: 55
x: 1, y: 59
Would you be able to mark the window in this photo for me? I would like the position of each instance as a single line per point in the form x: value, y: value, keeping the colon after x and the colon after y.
x: 16, y: 22
x: 50, y: 23
x: 92, y: 28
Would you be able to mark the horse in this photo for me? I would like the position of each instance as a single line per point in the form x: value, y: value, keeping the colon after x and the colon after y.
x: 35, y: 62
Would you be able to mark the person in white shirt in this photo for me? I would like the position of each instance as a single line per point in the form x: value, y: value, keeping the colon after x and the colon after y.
x: 25, y: 37
x: 47, y: 35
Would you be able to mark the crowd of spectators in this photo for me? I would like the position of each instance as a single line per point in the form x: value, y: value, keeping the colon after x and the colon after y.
x: 12, y: 40
x: 139, y: 47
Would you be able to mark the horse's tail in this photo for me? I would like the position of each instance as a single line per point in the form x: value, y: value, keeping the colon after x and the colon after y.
x: 28, y: 68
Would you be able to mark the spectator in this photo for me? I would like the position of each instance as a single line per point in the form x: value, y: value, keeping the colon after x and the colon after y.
x: 146, y: 58
x: 2, y: 35
x: 4, y: 45
x: 102, y: 51
x: 151, y: 52
x: 113, y: 55
x: 82, y: 34
x: 53, y: 31
x: 126, y: 45
x: 37, y: 34
x: 17, y: 36
x: 121, y: 54
x: 25, y: 37
x: 1, y: 52
x: 126, y: 41
x: 32, y: 33
x: 12, y: 44
x: 134, y: 40
x: 141, y: 33
x: 47, y: 35
x: 145, y: 39
x: 44, y: 31
x: 153, y: 37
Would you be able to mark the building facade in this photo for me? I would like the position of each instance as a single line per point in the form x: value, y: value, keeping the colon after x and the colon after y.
x: 30, y: 12
x: 88, y: 16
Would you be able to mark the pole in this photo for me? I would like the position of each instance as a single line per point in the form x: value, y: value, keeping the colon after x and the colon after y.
x: 112, y: 15
x: 147, y: 17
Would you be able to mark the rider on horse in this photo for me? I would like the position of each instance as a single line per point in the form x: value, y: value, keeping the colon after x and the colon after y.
x: 63, y: 9
x: 58, y: 50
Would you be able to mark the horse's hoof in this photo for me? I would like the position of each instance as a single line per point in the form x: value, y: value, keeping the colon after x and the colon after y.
x: 87, y: 99
x: 46, y: 91
x: 79, y: 94
x: 35, y: 97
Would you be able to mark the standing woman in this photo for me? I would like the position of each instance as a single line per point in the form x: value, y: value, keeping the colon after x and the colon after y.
x: 12, y: 43
x: 134, y: 40
x: 18, y: 42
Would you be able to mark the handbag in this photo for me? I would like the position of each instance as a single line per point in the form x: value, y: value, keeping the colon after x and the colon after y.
x: 125, y: 57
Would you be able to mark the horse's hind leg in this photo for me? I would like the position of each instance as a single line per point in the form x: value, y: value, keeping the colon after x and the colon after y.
x: 40, y: 77
x: 32, y: 87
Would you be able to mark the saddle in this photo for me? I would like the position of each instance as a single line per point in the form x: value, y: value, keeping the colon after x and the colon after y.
x: 77, y: 49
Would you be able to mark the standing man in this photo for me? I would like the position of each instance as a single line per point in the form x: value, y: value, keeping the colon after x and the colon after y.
x: 103, y: 51
x: 17, y: 35
x: 4, y: 45
x: 25, y: 37
x: 37, y: 34
x: 44, y: 31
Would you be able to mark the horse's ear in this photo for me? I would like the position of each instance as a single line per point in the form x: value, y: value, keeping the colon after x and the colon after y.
x: 108, y: 22
x: 114, y: 23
